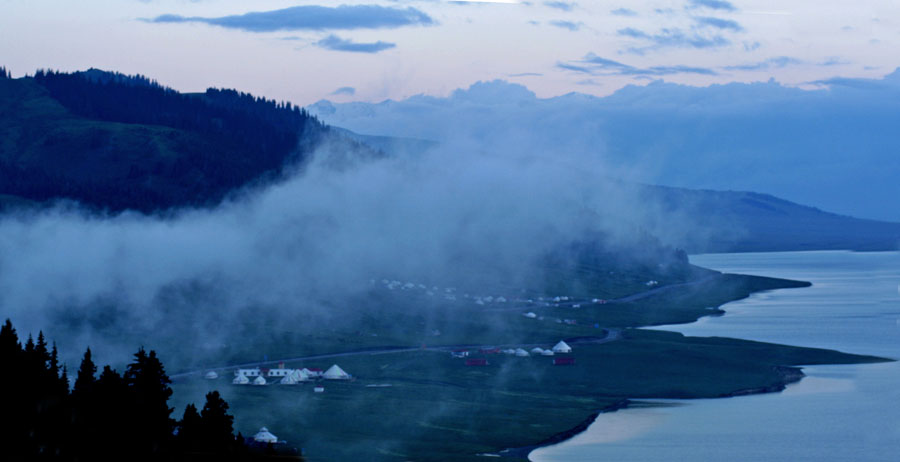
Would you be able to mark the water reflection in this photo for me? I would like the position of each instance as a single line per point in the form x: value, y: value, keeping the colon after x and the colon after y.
x: 836, y: 413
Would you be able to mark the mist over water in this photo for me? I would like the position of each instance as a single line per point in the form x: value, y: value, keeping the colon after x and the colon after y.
x: 309, y: 245
x: 836, y: 413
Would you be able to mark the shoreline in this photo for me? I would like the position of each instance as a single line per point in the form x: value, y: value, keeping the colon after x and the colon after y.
x: 522, y: 452
x: 789, y: 374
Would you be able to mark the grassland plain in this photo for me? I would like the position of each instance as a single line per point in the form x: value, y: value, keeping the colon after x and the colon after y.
x: 438, y: 409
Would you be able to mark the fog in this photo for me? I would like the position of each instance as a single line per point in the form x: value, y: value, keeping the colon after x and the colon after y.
x: 310, y: 245
x: 810, y: 146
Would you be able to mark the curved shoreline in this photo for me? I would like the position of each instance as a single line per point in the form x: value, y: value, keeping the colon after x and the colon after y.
x: 789, y: 374
x: 523, y: 451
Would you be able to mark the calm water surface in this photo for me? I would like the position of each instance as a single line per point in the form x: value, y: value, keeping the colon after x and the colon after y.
x: 836, y: 413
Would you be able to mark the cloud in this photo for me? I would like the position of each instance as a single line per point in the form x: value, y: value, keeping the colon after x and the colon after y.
x: 313, y: 17
x: 717, y: 137
x: 572, y: 26
x: 719, y: 23
x: 333, y: 42
x: 526, y: 74
x: 777, y: 62
x: 623, y: 12
x: 565, y: 6
x: 596, y: 65
x: 712, y: 4
x: 344, y: 91
x: 672, y: 38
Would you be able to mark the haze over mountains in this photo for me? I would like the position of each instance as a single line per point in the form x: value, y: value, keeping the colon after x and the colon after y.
x: 177, y: 244
x: 808, y: 146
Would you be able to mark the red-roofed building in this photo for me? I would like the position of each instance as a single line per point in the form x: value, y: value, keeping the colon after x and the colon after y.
x: 563, y: 361
x: 476, y: 362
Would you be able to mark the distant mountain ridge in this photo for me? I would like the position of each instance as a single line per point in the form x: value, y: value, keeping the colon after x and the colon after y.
x: 740, y: 221
x: 116, y: 142
x: 811, y: 146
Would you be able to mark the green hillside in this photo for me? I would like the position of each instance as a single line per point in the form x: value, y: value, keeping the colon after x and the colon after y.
x: 116, y: 142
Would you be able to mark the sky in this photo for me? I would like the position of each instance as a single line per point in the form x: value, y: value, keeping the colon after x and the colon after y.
x: 304, y: 51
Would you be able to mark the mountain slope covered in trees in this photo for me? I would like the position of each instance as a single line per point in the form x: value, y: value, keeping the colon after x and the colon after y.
x: 119, y: 142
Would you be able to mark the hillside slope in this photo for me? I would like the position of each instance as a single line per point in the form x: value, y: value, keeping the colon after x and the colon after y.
x: 739, y: 221
x: 116, y: 142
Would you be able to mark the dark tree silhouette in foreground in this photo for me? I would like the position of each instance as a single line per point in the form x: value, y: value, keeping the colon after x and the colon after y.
x: 110, y: 417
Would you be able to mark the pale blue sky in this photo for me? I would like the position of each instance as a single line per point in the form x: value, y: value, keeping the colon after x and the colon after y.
x: 303, y: 51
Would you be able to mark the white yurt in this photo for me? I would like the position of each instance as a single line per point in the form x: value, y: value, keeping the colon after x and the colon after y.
x: 211, y: 375
x: 562, y: 347
x: 521, y: 353
x: 299, y: 375
x: 547, y: 353
x: 263, y: 436
x: 259, y: 380
x: 241, y: 380
x: 335, y: 373
x: 537, y: 351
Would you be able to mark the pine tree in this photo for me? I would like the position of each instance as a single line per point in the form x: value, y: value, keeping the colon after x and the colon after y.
x: 218, y: 426
x: 9, y: 342
x: 84, y: 381
x: 148, y: 387
x: 190, y: 430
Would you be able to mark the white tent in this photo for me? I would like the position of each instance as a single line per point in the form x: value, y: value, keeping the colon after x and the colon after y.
x: 288, y: 380
x: 241, y: 380
x: 562, y: 347
x: 547, y: 353
x: 521, y: 353
x: 336, y: 373
x: 299, y: 375
x: 537, y: 351
x: 263, y: 436
x: 211, y: 375
x: 260, y: 380
x: 311, y: 373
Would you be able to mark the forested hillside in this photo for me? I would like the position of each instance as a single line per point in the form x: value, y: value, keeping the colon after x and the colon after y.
x: 116, y: 142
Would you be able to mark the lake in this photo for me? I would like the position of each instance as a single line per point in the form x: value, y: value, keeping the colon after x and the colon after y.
x: 836, y: 413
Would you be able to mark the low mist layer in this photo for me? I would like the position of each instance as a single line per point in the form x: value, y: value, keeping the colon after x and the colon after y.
x: 307, y: 249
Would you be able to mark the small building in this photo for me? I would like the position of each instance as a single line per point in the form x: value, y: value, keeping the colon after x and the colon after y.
x: 241, y: 380
x: 255, y: 372
x: 459, y: 353
x: 279, y: 372
x: 263, y: 436
x: 563, y: 361
x: 211, y: 375
x: 476, y: 362
x: 318, y: 389
x: 335, y: 373
x: 259, y: 380
x: 562, y: 347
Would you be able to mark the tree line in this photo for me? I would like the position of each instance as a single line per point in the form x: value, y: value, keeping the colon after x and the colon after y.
x: 160, y: 150
x: 112, y: 416
x: 269, y: 129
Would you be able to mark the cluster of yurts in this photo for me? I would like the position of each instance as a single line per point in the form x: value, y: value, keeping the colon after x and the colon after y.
x: 287, y: 376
